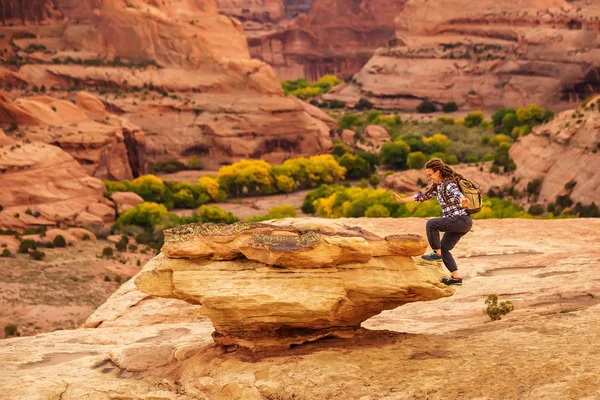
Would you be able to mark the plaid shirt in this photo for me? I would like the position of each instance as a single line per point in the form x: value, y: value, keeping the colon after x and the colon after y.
x: 453, y: 194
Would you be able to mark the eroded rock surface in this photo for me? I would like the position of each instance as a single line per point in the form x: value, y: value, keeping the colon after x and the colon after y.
x: 270, y: 286
x: 563, y: 152
x: 485, y: 54
x: 41, y: 185
x: 177, y: 69
x: 106, y: 146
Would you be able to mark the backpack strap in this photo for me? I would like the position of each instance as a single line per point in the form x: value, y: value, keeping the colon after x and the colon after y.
x: 444, y: 185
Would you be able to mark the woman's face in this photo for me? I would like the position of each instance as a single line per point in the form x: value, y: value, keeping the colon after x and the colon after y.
x: 434, y: 176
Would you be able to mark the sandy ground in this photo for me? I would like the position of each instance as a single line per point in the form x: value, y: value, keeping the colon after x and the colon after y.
x: 63, y: 289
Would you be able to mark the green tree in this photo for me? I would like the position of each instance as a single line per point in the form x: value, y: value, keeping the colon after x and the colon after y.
x: 509, y: 122
x: 394, y: 154
x: 377, y: 211
x: 278, y: 212
x: 184, y: 199
x: 26, y: 245
x: 474, y: 118
x: 215, y: 214
x: 356, y: 166
x: 59, y: 241
x: 374, y: 180
x: 416, y: 160
x: 426, y: 107
x: 450, y: 107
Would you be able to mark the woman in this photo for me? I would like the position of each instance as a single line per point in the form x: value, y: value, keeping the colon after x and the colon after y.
x: 456, y: 222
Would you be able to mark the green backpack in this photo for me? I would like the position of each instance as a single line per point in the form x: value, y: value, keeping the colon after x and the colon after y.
x: 471, y: 191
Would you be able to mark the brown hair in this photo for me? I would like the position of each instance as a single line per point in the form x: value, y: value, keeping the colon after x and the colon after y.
x: 448, y: 174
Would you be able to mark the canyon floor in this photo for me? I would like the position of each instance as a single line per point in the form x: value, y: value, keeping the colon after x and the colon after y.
x: 138, y: 347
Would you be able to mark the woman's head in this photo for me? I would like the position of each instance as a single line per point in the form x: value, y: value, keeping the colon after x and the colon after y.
x: 435, y: 170
x: 438, y: 172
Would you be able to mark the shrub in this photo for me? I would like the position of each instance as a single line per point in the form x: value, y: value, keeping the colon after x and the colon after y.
x: 570, y: 185
x: 494, y: 310
x: 371, y: 158
x: 356, y: 166
x: 564, y: 201
x: 285, y: 184
x: 363, y: 104
x: 509, y: 123
x: 37, y: 255
x: 6, y: 253
x: 10, y: 330
x: 416, y: 160
x: 589, y: 211
x: 133, y: 248
x: 377, y: 211
x: 322, y: 191
x: 167, y: 166
x: 374, y: 180
x: 348, y: 121
x: 184, y: 199
x: 146, y: 215
x: 426, y: 107
x: 59, y: 241
x: 438, y: 143
x: 278, y: 212
x: 107, y: 252
x: 213, y: 188
x: 85, y: 237
x: 474, y: 119
x: 121, y: 245
x: 446, y: 120
x: 536, y: 209
x: 534, y: 187
x: 394, y: 154
x: 373, y: 115
x: 390, y: 121
x: 450, y: 107
x: 214, y: 214
x: 106, y: 278
x: 194, y: 163
x: 26, y: 245
x: 251, y: 176
x: 340, y: 148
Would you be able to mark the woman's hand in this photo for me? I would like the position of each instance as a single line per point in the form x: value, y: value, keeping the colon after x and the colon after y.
x: 397, y: 197
x: 464, y: 202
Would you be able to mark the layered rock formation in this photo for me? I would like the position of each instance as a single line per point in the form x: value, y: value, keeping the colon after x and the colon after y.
x: 484, y: 55
x: 270, y: 286
x: 177, y: 64
x: 41, y: 185
x: 253, y: 10
x: 567, y: 149
x: 108, y: 147
x: 336, y: 37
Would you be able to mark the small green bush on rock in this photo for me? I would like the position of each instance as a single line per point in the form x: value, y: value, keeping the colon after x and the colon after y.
x: 494, y: 310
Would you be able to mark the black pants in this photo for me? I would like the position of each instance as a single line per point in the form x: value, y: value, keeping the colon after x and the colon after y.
x: 454, y: 227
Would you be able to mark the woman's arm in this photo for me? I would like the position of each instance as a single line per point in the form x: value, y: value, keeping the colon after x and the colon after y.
x: 409, y: 199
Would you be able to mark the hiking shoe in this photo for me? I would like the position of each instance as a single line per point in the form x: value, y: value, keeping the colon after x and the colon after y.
x: 431, y: 257
x: 452, y: 281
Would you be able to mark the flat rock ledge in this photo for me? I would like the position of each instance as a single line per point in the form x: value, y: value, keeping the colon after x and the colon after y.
x: 269, y: 286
